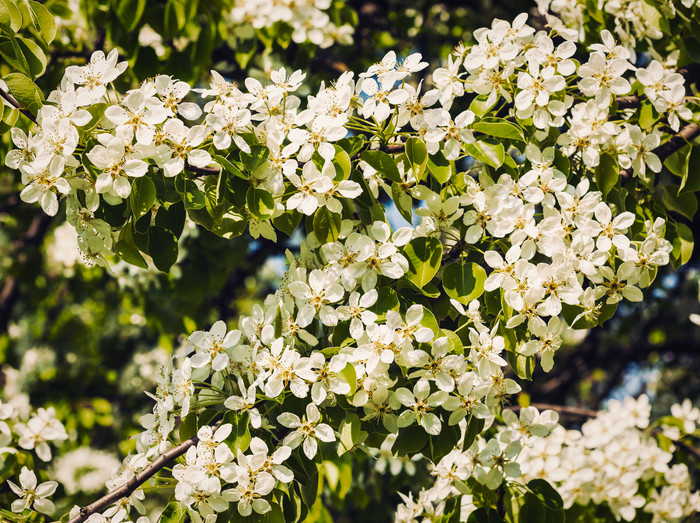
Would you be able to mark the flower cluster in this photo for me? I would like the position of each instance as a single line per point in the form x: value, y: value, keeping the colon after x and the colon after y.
x: 347, y: 330
x: 308, y: 20
x: 613, y: 460
x: 30, y: 431
x: 84, y: 469
x: 616, y: 444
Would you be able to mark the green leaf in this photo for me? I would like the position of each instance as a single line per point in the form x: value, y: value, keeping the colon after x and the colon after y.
x: 499, y: 128
x: 351, y: 145
x: 342, y: 164
x: 162, y: 247
x: 174, y: 19
x: 201, y: 216
x: 191, y: 194
x: 12, y: 53
x: 424, y: 256
x: 692, y: 46
x: 327, y: 225
x: 464, y: 282
x: 417, y: 154
x: 43, y: 21
x: 142, y: 197
x: 129, y: 12
x: 648, y: 115
x: 383, y: 163
x: 543, y: 490
x: 229, y: 224
x: 523, y: 366
x: 228, y: 166
x: 130, y: 254
x: 10, y: 15
x: 686, y: 242
x: 172, y: 218
x: 606, y: 174
x: 532, y: 509
x: 487, y: 151
x: 686, y: 203
x: 677, y: 163
x: 474, y: 427
x: 479, y: 105
x: 403, y: 202
x: 23, y: 90
x: 439, y: 167
x: 691, y: 177
x: 257, y: 157
x: 34, y: 55
x: 260, y: 203
x: 351, y: 434
x: 287, y: 222
x: 410, y: 441
x: 387, y: 300
x: 487, y: 515
x: 173, y: 513
x: 441, y: 445
x: 8, y: 120
x: 350, y: 376
x: 97, y: 111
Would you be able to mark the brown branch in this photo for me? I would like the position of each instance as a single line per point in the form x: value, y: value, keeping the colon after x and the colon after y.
x: 627, y: 102
x: 679, y: 140
x: 17, y: 105
x: 135, y: 482
x: 202, y: 171
x: 389, y: 149
x: 688, y: 448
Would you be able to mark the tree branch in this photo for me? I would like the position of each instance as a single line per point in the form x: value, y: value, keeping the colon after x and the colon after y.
x: 202, y: 171
x: 389, y: 149
x: 135, y: 482
x: 17, y: 105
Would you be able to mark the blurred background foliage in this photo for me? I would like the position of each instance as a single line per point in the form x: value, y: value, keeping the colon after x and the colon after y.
x: 89, y: 341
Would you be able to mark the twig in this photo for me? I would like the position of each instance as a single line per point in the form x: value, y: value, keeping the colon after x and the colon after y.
x: 389, y: 149
x: 202, y: 171
x: 17, y: 105
x: 135, y: 482
x: 688, y: 448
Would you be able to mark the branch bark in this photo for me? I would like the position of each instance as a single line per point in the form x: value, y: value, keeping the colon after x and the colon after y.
x: 202, y: 171
x: 135, y: 482
x: 17, y: 105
